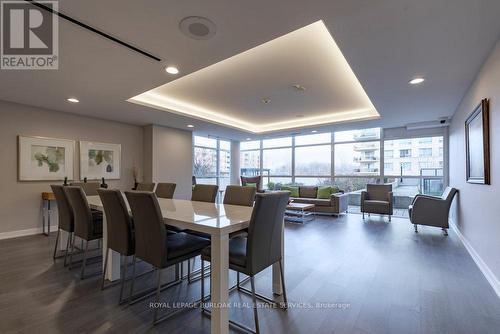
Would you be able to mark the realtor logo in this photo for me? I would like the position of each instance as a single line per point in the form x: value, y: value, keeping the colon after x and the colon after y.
x: 30, y: 36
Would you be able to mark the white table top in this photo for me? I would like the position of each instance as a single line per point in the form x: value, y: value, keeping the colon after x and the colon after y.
x: 214, y: 219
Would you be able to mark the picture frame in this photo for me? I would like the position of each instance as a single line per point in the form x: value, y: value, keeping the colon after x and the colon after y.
x: 100, y: 160
x: 45, y: 159
x: 477, y: 145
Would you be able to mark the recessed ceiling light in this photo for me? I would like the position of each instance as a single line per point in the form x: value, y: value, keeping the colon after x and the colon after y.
x: 266, y: 100
x: 416, y: 81
x: 172, y: 70
x: 314, y: 131
x: 249, y: 138
x: 72, y: 100
x: 190, y: 126
x: 299, y: 88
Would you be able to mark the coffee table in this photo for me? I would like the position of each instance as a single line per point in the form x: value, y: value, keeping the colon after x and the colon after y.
x: 299, y: 212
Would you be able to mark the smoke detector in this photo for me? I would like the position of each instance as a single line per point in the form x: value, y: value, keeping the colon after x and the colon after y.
x: 197, y: 27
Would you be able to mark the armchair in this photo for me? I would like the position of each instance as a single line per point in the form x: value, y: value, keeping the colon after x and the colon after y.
x: 432, y: 211
x: 377, y: 198
x: 252, y: 180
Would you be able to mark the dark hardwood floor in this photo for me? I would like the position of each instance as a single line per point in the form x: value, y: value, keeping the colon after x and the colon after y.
x: 373, y: 277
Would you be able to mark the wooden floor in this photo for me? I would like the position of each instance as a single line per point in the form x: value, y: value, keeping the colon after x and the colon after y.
x: 369, y: 277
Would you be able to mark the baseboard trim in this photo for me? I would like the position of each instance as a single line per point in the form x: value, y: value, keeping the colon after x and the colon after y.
x: 488, y: 274
x: 24, y: 233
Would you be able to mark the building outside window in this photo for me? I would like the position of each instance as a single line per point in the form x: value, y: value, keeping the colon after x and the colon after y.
x: 212, y: 161
x: 405, y: 153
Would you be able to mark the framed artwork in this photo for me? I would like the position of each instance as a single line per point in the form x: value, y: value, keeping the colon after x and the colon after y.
x: 477, y: 142
x: 44, y: 159
x: 99, y: 160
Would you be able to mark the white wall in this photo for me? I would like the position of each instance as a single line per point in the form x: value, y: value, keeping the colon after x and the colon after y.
x: 20, y: 202
x: 169, y: 157
x: 477, y: 210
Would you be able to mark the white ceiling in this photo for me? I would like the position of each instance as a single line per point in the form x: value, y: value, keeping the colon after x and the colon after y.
x: 254, y: 90
x: 386, y: 43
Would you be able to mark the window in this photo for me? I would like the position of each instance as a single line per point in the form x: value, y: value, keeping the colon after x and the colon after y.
x: 212, y: 161
x: 425, y: 152
x: 357, y: 158
x: 277, y: 161
x: 406, y: 166
x: 313, y: 160
x: 357, y: 135
x: 412, y: 165
x: 404, y: 153
x: 429, y: 157
x: 427, y: 140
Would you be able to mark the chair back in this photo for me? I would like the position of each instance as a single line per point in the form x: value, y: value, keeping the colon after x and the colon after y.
x: 204, y: 193
x: 118, y: 222
x: 165, y: 190
x: 252, y: 179
x: 89, y: 188
x: 81, y: 211
x: 265, y: 230
x: 150, y: 232
x: 378, y: 192
x: 66, y: 220
x: 239, y: 195
x: 145, y: 186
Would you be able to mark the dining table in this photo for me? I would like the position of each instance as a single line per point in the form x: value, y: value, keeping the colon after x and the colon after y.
x: 217, y: 220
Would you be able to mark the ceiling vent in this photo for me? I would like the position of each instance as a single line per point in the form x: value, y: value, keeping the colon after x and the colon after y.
x: 197, y: 27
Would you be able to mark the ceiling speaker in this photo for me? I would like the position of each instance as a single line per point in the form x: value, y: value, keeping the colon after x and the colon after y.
x: 197, y: 27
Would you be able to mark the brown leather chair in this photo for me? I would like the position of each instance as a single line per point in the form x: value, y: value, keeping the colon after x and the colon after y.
x: 261, y: 249
x: 204, y: 193
x: 145, y: 186
x: 165, y: 190
x: 239, y: 195
x: 152, y: 242
x: 120, y: 236
x: 245, y: 180
x: 432, y: 211
x: 66, y: 220
x: 378, y: 199
x: 90, y: 188
x: 88, y: 223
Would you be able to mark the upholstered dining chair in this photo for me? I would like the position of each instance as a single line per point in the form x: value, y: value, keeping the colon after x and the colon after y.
x: 239, y: 195
x: 204, y: 193
x: 143, y: 186
x: 432, y: 211
x: 165, y: 190
x: 66, y: 221
x: 378, y: 199
x: 88, y: 223
x: 259, y: 250
x: 154, y: 245
x: 120, y: 236
x: 90, y: 188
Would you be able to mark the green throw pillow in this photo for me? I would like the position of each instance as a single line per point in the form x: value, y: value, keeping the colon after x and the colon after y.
x: 324, y: 192
x: 250, y: 184
x: 294, y: 191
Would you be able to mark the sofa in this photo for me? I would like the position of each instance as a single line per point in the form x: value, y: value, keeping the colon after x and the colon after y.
x: 334, y: 202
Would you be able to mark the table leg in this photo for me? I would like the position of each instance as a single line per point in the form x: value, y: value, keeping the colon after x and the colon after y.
x: 113, y: 270
x: 219, y: 286
x: 277, y: 287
